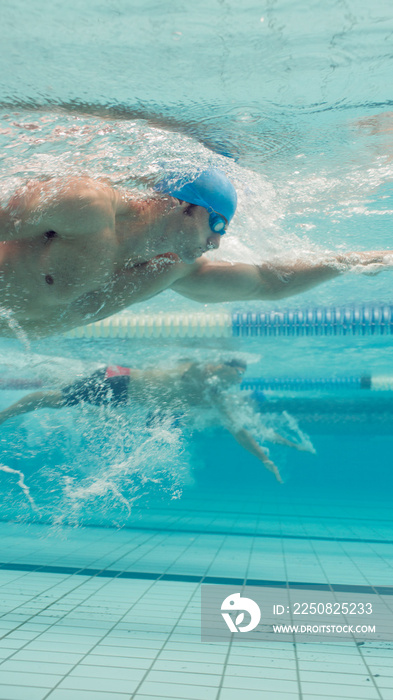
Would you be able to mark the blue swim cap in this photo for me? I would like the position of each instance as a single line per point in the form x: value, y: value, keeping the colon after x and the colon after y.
x: 211, y: 189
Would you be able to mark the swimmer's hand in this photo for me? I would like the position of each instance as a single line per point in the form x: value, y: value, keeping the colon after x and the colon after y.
x: 366, y: 263
x: 246, y: 440
x: 306, y: 448
x: 272, y: 468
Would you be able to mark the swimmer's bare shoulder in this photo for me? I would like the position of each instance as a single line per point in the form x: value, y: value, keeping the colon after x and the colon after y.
x: 70, y: 207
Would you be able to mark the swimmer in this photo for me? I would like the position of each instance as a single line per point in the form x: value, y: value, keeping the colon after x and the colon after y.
x: 78, y: 250
x: 171, y: 393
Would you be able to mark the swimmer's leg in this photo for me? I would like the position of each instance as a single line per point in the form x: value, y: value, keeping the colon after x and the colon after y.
x: 30, y: 402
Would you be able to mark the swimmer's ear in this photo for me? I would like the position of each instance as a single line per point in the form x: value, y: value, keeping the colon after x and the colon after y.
x: 186, y: 207
x: 189, y: 209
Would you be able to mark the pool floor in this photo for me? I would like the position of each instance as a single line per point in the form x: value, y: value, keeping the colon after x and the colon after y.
x: 99, y: 614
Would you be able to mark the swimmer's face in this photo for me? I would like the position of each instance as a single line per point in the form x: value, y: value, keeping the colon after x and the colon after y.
x: 194, y: 236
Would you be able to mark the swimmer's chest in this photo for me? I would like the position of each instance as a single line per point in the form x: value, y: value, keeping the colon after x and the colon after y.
x: 56, y: 270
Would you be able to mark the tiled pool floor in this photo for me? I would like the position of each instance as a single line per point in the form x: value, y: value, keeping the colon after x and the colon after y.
x: 99, y: 614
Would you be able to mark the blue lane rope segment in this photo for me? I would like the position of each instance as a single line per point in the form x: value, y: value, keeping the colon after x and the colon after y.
x: 367, y: 319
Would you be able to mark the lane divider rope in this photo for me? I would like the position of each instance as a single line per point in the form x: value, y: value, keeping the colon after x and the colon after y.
x: 365, y: 319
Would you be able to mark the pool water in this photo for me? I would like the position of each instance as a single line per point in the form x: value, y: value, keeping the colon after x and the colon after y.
x: 108, y: 533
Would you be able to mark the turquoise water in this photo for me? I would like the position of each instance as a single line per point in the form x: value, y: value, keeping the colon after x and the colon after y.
x: 298, y: 116
x: 293, y: 101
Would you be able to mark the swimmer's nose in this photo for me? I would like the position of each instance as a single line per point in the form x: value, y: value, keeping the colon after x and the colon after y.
x: 213, y: 242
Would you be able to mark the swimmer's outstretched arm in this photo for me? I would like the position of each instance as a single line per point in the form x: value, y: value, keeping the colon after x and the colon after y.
x: 214, y: 282
x: 38, y: 399
x: 207, y: 281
